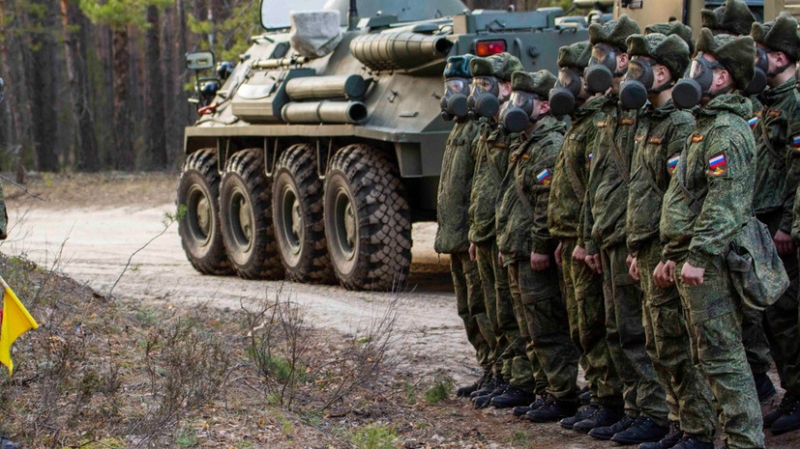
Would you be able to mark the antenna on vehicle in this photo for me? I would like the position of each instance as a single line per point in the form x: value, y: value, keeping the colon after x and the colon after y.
x: 352, y: 16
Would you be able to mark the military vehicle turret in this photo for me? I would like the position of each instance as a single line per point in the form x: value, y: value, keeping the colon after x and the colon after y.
x: 315, y: 154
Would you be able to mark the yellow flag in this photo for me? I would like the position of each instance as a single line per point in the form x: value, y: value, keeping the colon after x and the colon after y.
x: 16, y: 321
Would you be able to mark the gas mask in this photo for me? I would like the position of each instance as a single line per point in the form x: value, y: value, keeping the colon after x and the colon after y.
x: 602, y: 68
x: 483, y: 99
x: 759, y: 81
x: 689, y: 91
x: 566, y: 92
x: 454, y: 101
x: 517, y: 112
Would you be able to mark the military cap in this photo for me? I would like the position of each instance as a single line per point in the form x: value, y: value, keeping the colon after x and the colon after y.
x: 458, y: 66
x: 736, y: 54
x: 733, y: 17
x: 575, y: 55
x: 613, y: 32
x: 538, y: 83
x: 779, y: 35
x: 500, y: 66
x: 670, y: 28
x: 669, y: 51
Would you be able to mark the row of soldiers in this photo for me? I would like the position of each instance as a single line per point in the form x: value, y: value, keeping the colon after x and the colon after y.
x: 608, y: 244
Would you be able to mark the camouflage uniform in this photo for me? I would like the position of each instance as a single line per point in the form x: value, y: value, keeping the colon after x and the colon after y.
x: 522, y: 228
x: 659, y: 139
x: 700, y: 232
x: 583, y: 288
x: 455, y: 185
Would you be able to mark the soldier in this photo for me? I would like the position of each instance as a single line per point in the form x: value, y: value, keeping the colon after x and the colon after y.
x: 656, y: 64
x: 777, y: 176
x: 491, y: 79
x: 708, y: 201
x: 455, y: 185
x: 526, y: 245
x: 646, y: 414
x: 582, y: 287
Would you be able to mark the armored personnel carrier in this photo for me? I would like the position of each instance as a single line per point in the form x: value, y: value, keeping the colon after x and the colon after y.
x: 315, y: 154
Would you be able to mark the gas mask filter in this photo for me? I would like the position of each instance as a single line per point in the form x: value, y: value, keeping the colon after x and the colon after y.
x: 602, y: 68
x: 517, y: 113
x: 483, y: 101
x: 689, y: 91
x: 454, y: 101
x: 564, y: 95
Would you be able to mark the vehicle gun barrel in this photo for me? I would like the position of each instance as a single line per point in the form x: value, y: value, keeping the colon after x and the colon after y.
x: 324, y: 111
x: 392, y: 51
x: 326, y: 87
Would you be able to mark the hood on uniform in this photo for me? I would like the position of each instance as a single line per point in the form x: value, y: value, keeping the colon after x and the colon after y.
x: 575, y: 55
x: 733, y: 17
x: 779, y: 35
x: 538, y: 83
x: 500, y: 66
x: 458, y: 66
x: 613, y: 32
x: 736, y: 54
x: 670, y: 28
x: 670, y: 51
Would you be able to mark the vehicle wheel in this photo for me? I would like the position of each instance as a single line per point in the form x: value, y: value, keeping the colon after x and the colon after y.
x: 246, y: 217
x: 297, y: 212
x: 367, y: 220
x: 198, y: 191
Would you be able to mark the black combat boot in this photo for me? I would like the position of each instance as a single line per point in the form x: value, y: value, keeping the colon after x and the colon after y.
x: 552, y: 411
x: 604, y: 416
x: 784, y: 407
x: 8, y: 444
x: 671, y: 439
x: 644, y: 430
x: 513, y: 397
x: 789, y: 421
x: 567, y: 423
x: 521, y: 410
x: 689, y: 442
x: 585, y: 396
x: 466, y: 390
x: 764, y: 386
x: 488, y: 386
x: 606, y: 432
x: 483, y: 401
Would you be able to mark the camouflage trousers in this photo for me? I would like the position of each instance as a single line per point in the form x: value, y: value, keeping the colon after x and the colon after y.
x: 542, y: 314
x: 471, y: 307
x: 688, y: 394
x: 587, y: 317
x: 714, y: 319
x: 642, y: 393
x: 499, y: 306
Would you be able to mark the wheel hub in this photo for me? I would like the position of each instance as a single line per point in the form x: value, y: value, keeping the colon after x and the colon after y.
x: 350, y: 224
x: 203, y: 212
x: 346, y: 233
x: 244, y: 219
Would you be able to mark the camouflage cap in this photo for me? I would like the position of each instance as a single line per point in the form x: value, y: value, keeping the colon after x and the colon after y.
x: 779, y: 35
x: 500, y: 66
x: 670, y: 28
x: 736, y: 54
x: 458, y: 66
x: 613, y: 32
x: 733, y: 17
x: 575, y: 55
x: 670, y: 51
x: 538, y: 83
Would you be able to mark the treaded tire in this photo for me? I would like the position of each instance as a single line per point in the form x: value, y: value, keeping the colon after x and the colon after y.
x: 199, y: 228
x: 297, y: 214
x: 246, y: 217
x: 367, y: 220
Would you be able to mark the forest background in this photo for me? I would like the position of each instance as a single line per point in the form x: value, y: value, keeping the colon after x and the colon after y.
x: 94, y: 85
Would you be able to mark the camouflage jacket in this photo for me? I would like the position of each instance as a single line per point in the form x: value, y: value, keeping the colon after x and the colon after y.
x: 455, y: 185
x: 717, y: 170
x: 522, y: 222
x: 606, y: 200
x: 568, y: 188
x: 491, y: 155
x: 660, y: 135
x: 777, y: 156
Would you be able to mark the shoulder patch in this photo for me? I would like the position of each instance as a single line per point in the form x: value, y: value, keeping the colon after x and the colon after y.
x: 697, y: 138
x: 638, y: 139
x: 796, y: 142
x: 672, y: 164
x: 601, y: 124
x: 775, y: 113
x: 544, y: 177
x: 525, y: 156
x: 626, y: 121
x: 717, y: 165
x: 653, y: 140
x: 753, y: 122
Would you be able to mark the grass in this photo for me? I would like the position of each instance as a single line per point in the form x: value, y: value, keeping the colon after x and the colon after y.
x: 375, y: 436
x: 441, y: 389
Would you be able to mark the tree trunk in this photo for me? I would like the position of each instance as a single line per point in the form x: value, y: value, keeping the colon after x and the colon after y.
x: 43, y: 92
x: 154, y: 119
x: 123, y: 147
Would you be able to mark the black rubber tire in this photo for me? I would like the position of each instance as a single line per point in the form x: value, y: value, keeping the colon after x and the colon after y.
x: 246, y: 217
x: 297, y: 214
x: 375, y: 254
x: 199, y: 228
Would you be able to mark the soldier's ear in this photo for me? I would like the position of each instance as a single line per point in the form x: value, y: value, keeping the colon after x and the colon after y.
x: 622, y: 62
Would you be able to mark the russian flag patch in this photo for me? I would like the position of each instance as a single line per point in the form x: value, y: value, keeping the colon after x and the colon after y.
x: 796, y: 141
x: 752, y: 122
x: 672, y: 163
x: 544, y: 177
x: 718, y: 165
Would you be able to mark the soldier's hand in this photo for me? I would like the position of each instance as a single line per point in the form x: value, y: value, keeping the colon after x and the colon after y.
x: 558, y: 255
x: 593, y: 260
x: 540, y: 262
x: 500, y: 259
x: 783, y: 243
x: 629, y: 260
x: 664, y: 274
x: 691, y: 275
x: 579, y: 254
x: 472, y: 256
x: 633, y: 268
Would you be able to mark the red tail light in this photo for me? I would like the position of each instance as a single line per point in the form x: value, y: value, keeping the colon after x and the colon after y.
x: 488, y: 48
